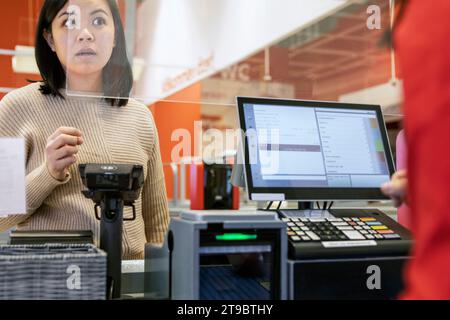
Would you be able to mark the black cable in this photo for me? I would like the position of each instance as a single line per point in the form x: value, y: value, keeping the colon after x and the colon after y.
x: 270, y: 204
x: 170, y: 247
x: 279, y: 205
x: 318, y: 204
x: 331, y: 204
x: 325, y: 205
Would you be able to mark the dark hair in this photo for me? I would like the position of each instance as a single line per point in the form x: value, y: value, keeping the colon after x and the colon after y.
x: 117, y: 74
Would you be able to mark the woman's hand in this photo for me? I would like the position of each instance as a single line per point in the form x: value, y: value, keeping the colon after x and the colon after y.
x: 61, y: 150
x: 397, y: 188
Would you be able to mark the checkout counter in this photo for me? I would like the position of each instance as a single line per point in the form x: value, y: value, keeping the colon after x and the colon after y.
x: 342, y: 277
x: 201, y: 266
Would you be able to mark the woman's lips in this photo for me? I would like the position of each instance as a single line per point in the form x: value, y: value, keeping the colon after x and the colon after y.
x: 87, y: 52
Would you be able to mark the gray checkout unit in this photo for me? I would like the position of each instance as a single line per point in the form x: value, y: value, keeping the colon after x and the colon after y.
x: 220, y: 255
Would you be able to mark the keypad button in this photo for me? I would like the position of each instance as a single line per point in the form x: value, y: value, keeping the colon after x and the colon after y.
x: 295, y: 228
x: 347, y: 219
x: 336, y: 224
x: 355, y: 219
x: 385, y: 231
x: 369, y: 236
x: 291, y: 224
x: 366, y: 219
x: 364, y: 232
x: 345, y: 228
x: 305, y: 238
x: 379, y: 228
x: 392, y: 236
x: 295, y: 238
x: 300, y: 233
x: 354, y: 235
x: 375, y: 223
x: 358, y: 228
x: 367, y: 228
x: 378, y: 236
x: 312, y: 235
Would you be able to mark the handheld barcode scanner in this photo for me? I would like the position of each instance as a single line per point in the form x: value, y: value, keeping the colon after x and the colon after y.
x: 111, y: 187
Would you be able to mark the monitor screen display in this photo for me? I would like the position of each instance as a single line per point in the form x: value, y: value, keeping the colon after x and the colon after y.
x: 314, y: 149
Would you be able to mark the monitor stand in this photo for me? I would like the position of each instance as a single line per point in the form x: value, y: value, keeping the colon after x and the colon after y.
x: 305, y: 205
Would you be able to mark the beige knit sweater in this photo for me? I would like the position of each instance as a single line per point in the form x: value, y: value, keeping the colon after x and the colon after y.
x: 111, y: 135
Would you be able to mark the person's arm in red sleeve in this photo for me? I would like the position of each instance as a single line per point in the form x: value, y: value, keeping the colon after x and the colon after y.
x: 423, y: 47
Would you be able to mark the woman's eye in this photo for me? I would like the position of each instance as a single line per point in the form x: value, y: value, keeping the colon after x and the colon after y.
x: 70, y: 23
x: 99, y: 22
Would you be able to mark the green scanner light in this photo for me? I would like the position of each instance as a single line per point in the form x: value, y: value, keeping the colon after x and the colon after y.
x: 236, y: 237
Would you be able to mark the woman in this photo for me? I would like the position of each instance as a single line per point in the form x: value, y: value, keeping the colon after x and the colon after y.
x: 80, y: 47
x: 421, y: 41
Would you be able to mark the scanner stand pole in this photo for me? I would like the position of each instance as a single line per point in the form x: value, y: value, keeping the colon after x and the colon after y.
x: 111, y: 228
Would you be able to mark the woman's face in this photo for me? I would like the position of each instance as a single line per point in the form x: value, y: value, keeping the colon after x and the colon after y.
x: 82, y: 36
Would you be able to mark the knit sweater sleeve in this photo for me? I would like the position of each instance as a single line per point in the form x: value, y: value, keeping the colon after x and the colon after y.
x: 15, y: 122
x: 155, y: 209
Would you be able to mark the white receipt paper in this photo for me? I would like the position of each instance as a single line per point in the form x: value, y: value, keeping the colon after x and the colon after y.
x: 12, y: 176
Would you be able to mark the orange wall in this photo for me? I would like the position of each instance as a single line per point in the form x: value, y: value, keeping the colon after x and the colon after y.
x: 18, y: 25
x: 171, y: 115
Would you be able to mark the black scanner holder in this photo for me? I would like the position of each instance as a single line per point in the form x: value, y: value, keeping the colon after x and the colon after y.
x: 112, y: 187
